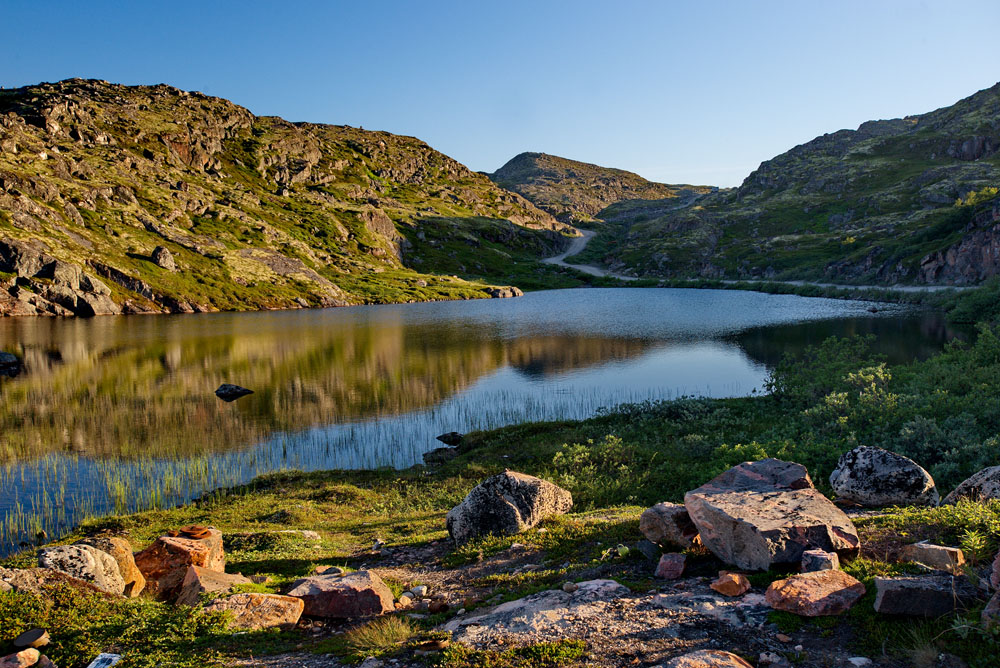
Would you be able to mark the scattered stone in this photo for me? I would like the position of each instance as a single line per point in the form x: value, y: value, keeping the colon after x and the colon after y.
x: 199, y: 580
x: 164, y: 564
x: 762, y: 513
x: 949, y: 559
x: 506, y: 504
x: 419, y: 591
x: 815, y: 594
x: 163, y: 258
x: 570, y: 587
x: 358, y: 594
x: 731, y: 584
x: 438, y: 606
x: 707, y: 658
x: 819, y: 560
x: 229, y: 393
x: 105, y: 661
x: 451, y: 438
x: 668, y: 524
x: 783, y: 638
x: 261, y: 611
x: 923, y: 596
x: 980, y: 486
x: 876, y: 477
x: 329, y: 570
x: 121, y: 551
x: 648, y: 549
x: 33, y: 638
x: 859, y: 661
x: 23, y: 659
x: 671, y: 566
x: 86, y: 563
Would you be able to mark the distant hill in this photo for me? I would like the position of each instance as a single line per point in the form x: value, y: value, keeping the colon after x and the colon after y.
x: 575, y: 191
x: 149, y: 199
x: 889, y: 202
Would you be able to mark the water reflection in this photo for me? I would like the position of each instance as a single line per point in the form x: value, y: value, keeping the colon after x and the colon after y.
x: 119, y: 413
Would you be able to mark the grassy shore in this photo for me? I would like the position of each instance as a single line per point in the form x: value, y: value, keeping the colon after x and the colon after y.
x: 942, y: 412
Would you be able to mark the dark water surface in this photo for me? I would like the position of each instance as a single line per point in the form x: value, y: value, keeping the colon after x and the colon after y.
x: 118, y: 413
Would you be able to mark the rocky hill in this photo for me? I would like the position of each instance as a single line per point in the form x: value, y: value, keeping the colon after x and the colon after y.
x: 152, y: 199
x: 889, y: 202
x: 575, y: 191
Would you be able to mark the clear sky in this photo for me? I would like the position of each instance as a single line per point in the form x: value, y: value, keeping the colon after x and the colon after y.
x: 697, y: 92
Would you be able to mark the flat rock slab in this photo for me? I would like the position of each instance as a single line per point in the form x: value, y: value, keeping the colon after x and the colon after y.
x: 815, y: 594
x: 938, y: 557
x: 164, y: 564
x: 759, y: 514
x: 923, y: 596
x: 121, y: 551
x: 260, y: 611
x: 707, y: 658
x: 506, y: 504
x: 548, y: 611
x: 37, y: 581
x: 875, y: 477
x: 198, y: 581
x: 668, y: 524
x: 86, y: 563
x: 747, y: 610
x: 359, y: 594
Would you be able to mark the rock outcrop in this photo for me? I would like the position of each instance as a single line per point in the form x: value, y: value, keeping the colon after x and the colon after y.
x: 759, y: 514
x: 876, y: 477
x: 506, y: 504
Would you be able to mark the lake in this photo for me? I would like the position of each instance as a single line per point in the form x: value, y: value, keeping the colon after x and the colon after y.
x: 115, y: 414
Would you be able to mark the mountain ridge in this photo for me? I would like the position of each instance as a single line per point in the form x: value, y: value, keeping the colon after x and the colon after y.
x: 150, y: 199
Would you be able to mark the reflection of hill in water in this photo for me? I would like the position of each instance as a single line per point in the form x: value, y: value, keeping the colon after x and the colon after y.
x: 899, y: 340
x: 546, y: 356
x: 95, y: 393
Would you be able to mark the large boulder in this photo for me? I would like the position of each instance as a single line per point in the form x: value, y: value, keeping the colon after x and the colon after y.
x: 121, y: 551
x: 260, y: 611
x: 86, y: 563
x: 980, y: 486
x: 164, y: 563
x: 815, y: 594
x: 359, y: 594
x: 876, y: 477
x: 38, y: 581
x: 198, y: 581
x: 758, y: 514
x: 923, y: 596
x: 506, y: 504
x: 668, y: 524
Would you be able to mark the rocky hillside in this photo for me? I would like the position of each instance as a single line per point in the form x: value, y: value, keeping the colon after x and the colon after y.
x: 889, y: 202
x: 575, y: 191
x: 152, y: 199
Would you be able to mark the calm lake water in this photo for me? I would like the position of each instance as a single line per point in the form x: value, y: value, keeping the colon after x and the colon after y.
x: 118, y: 413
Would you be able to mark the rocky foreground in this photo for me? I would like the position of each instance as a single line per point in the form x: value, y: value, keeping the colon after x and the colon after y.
x: 699, y: 584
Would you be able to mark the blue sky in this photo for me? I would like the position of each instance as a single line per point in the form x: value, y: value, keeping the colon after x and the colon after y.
x: 697, y: 92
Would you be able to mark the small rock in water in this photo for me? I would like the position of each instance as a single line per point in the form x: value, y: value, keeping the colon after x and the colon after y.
x: 228, y: 392
x: 451, y: 438
x: 10, y: 365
